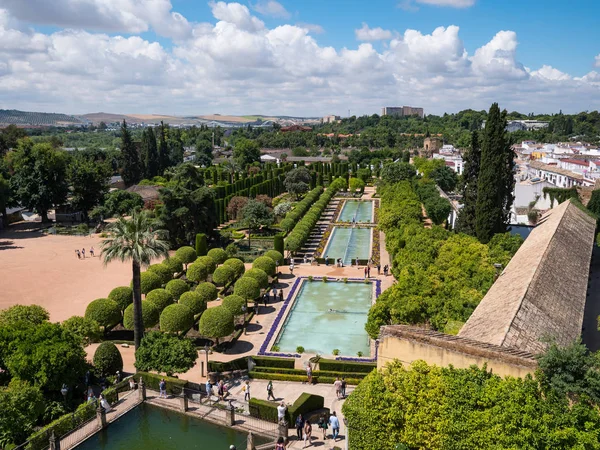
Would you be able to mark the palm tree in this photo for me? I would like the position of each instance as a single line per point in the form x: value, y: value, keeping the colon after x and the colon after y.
x: 134, y: 239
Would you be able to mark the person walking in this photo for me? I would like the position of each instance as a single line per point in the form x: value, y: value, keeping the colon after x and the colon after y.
x: 274, y: 292
x: 280, y: 295
x: 281, y: 410
x: 368, y: 271
x: 299, y: 426
x: 221, y: 390
x: 323, y: 425
x: 378, y: 269
x: 337, y: 384
x: 78, y: 253
x: 270, y: 390
x: 365, y: 271
x: 266, y: 299
x: 292, y: 267
x: 309, y: 373
x: 92, y: 251
x: 208, y: 388
x: 83, y: 253
x: 343, y: 387
x: 246, y: 390
x: 162, y: 389
x: 307, y: 433
x: 335, y: 426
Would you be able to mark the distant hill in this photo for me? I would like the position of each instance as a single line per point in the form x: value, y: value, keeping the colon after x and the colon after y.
x: 36, y: 119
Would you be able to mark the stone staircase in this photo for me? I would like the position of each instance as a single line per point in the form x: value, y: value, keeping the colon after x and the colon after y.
x: 309, y: 248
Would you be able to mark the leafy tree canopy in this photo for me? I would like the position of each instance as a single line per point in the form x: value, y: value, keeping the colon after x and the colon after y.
x: 165, y: 353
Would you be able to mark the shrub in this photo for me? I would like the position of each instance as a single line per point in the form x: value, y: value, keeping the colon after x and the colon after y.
x: 218, y: 254
x: 275, y: 256
x: 216, y: 323
x: 310, y: 278
x: 163, y: 271
x: 278, y: 243
x: 247, y: 288
x: 237, y: 265
x: 187, y: 255
x: 194, y: 301
x: 175, y: 386
x: 271, y: 361
x: 300, y: 349
x: 160, y: 298
x: 108, y: 359
x: 150, y: 315
x: 162, y: 352
x: 174, y: 264
x: 122, y: 296
x: 304, y: 404
x: 87, y: 330
x: 234, y: 303
x: 197, y: 272
x: 201, y: 246
x: 335, y: 352
x: 265, y: 263
x: 149, y: 281
x: 104, y: 311
x: 223, y: 275
x: 208, y: 291
x: 275, y: 348
x: 346, y: 366
x: 33, y: 314
x: 208, y: 262
x: 176, y: 318
x: 324, y: 279
x: 176, y: 288
x: 260, y: 276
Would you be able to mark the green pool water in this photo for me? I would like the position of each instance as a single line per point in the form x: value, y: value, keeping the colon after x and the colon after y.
x: 360, y: 211
x: 348, y: 244
x: 150, y: 427
x: 312, y: 325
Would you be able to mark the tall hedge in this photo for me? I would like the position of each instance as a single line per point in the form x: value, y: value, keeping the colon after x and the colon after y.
x: 201, y: 246
x: 161, y: 298
x: 122, y: 295
x: 108, y: 359
x: 176, y: 319
x: 216, y: 323
x: 237, y: 265
x: 278, y: 243
x: 104, y: 311
x: 150, y: 315
x: 218, y: 254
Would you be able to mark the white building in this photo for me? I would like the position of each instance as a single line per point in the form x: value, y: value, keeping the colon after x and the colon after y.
x: 453, y: 160
x: 559, y: 177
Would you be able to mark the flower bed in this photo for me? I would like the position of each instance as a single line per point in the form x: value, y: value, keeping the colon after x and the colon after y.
x: 376, y: 247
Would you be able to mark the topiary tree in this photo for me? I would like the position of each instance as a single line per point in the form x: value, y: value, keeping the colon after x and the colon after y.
x: 149, y: 281
x: 223, y: 275
x: 122, y: 296
x: 260, y: 276
x: 237, y: 265
x: 104, y: 311
x: 174, y: 264
x: 209, y: 262
x: 108, y: 359
x: 150, y: 315
x: 177, y: 318
x: 32, y: 314
x: 278, y: 244
x: 197, y: 272
x: 218, y: 254
x: 187, y: 255
x: 275, y: 256
x: 176, y: 288
x: 247, y: 288
x: 194, y: 301
x: 201, y: 246
x: 216, y: 323
x: 265, y: 263
x: 160, y: 298
x: 163, y: 271
x: 235, y: 304
x: 87, y: 330
x: 208, y: 291
x: 165, y: 353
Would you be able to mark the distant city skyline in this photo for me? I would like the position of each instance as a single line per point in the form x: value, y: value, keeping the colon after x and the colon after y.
x: 309, y: 58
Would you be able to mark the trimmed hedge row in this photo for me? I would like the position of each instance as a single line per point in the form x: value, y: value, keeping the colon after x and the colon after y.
x: 316, y: 373
x: 301, y: 208
x: 242, y: 363
x: 174, y: 385
x: 298, y: 378
x: 304, y: 404
x: 334, y: 365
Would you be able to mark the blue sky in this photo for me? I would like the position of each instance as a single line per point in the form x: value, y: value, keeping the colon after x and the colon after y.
x: 306, y: 57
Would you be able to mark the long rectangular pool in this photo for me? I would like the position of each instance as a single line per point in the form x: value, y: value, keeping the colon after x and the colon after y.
x: 348, y: 244
x: 151, y: 427
x: 359, y: 211
x: 326, y: 316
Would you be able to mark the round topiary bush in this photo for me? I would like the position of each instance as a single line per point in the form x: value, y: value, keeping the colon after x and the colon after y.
x: 216, y: 323
x: 218, y: 254
x: 247, y: 288
x: 223, y: 275
x: 237, y: 265
x: 160, y: 298
x: 174, y: 264
x: 275, y: 256
x: 104, y: 311
x: 176, y: 319
x: 197, y: 272
x: 208, y: 262
x: 264, y: 263
x: 176, y: 288
x: 208, y: 291
x: 234, y: 303
x: 163, y: 271
x: 108, y: 359
x: 150, y: 315
x: 122, y: 296
x: 187, y: 255
x: 194, y: 301
x: 149, y: 281
x: 260, y: 276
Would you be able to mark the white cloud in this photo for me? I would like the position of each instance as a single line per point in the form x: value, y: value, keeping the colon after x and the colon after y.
x: 372, y: 34
x: 597, y: 61
x: 237, y: 15
x: 312, y: 27
x: 550, y: 73
x: 271, y: 8
x: 497, y: 58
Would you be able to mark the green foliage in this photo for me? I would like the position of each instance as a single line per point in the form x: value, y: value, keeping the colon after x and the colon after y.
x: 104, y: 311
x: 445, y: 178
x: 197, y: 272
x: 260, y: 276
x: 108, y: 359
x: 246, y: 152
x: 149, y: 281
x: 176, y: 288
x: 234, y: 303
x: 177, y: 318
x: 297, y: 181
x: 133, y: 169
x: 594, y: 203
x: 163, y: 271
x: 165, y: 353
x: 195, y: 301
x: 208, y: 291
x: 218, y: 255
x: 260, y: 361
x: 465, y: 222
x: 87, y: 330
x: 562, y: 194
x: 256, y: 214
x: 356, y: 184
x: 32, y: 314
x: 22, y: 406
x: 300, y: 209
x: 247, y: 288
x: 175, y: 386
x: 304, y: 404
x: 122, y: 296
x: 209, y: 262
x: 174, y: 264
x: 333, y: 365
x: 216, y: 323
x: 266, y: 264
x: 201, y: 245
x: 187, y: 255
x: 160, y: 298
x: 278, y: 244
x: 300, y: 349
x: 237, y: 265
x: 150, y: 315
x: 89, y: 182
x: 396, y: 172
x: 118, y: 203
x: 223, y: 275
x: 275, y: 256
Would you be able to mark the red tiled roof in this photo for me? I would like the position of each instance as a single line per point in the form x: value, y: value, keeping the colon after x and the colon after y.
x: 575, y: 161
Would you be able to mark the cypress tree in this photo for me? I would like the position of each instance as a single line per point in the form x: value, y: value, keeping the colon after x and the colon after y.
x: 163, y: 149
x: 132, y: 165
x: 150, y: 149
x: 465, y: 222
x: 496, y: 178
